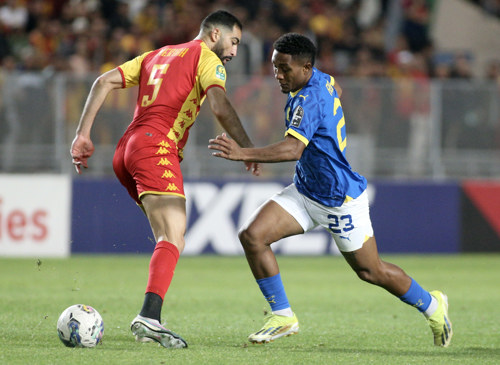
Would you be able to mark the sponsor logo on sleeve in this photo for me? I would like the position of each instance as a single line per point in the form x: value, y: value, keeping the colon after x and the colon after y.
x: 220, y: 72
x: 297, y: 116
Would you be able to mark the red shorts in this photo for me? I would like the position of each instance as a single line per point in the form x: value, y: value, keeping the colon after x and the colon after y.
x: 146, y: 162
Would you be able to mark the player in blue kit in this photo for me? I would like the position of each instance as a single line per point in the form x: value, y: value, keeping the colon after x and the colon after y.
x: 325, y: 191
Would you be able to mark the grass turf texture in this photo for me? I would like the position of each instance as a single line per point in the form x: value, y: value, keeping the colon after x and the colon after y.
x: 214, y: 304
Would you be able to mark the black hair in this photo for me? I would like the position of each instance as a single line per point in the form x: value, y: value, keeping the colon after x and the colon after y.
x: 221, y: 18
x: 296, y: 45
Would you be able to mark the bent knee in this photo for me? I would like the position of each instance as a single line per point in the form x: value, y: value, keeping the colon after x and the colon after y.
x: 246, y: 237
x: 250, y: 238
x: 376, y: 277
x: 366, y: 275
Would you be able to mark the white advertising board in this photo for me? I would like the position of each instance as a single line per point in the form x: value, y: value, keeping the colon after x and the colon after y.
x: 221, y: 210
x: 35, y: 215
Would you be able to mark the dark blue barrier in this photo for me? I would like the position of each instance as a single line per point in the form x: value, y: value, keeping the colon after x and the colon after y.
x: 416, y: 217
x: 406, y: 217
x: 106, y: 220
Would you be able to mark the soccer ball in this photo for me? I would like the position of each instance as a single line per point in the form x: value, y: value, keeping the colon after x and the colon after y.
x: 80, y: 326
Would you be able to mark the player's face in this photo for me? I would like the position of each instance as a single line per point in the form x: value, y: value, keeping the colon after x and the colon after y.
x: 292, y: 74
x: 227, y: 45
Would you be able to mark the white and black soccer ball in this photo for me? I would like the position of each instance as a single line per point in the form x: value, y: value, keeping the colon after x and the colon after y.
x: 80, y: 326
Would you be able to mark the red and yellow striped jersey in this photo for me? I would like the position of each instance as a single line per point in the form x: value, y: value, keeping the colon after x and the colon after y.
x: 173, y: 82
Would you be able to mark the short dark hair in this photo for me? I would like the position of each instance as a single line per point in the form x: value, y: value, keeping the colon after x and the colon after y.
x: 296, y: 45
x: 221, y: 18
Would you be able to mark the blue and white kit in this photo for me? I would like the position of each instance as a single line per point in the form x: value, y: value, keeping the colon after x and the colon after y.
x: 323, y: 175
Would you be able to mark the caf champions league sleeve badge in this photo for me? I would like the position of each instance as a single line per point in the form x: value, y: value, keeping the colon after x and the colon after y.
x: 298, y: 114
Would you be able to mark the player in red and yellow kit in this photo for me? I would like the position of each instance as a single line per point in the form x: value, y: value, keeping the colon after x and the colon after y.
x: 173, y: 82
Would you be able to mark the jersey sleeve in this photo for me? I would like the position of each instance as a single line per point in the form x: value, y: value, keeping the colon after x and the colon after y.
x: 131, y: 71
x: 305, y: 118
x: 312, y: 105
x: 211, y: 72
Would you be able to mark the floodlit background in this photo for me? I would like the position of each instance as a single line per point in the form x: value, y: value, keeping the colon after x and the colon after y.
x: 421, y: 81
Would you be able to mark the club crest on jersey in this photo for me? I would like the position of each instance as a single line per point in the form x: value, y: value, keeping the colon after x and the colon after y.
x: 220, y: 72
x: 297, y: 116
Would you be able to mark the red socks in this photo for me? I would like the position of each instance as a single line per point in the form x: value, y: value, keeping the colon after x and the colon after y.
x: 162, y: 267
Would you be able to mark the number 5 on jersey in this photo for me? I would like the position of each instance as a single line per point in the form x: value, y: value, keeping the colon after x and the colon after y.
x: 156, y: 80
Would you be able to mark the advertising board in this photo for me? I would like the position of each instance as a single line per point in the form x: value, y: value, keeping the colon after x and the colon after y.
x: 35, y: 215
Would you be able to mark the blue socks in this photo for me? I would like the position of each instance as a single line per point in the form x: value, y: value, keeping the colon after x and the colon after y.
x: 274, y: 292
x: 417, y: 297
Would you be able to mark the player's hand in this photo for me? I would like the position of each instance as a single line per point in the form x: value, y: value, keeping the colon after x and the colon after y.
x: 226, y: 148
x: 230, y: 150
x: 254, y: 167
x: 81, y: 149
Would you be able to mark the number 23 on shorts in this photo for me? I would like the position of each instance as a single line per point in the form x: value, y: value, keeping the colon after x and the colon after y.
x: 340, y: 224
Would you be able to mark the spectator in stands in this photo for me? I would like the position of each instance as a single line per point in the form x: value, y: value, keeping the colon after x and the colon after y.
x: 13, y: 15
x: 415, y: 24
x: 442, y: 70
x: 493, y: 71
x: 54, y: 29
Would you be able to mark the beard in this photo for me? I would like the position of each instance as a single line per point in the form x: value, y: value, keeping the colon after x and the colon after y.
x: 219, y: 51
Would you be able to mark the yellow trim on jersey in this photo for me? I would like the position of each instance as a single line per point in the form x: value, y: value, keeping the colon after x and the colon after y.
x: 211, y: 71
x: 294, y: 93
x: 131, y: 70
x: 348, y: 199
x: 297, y: 135
x: 186, y: 116
x: 161, y: 193
x: 366, y: 238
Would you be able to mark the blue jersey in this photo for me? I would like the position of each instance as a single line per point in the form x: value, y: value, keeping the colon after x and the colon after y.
x: 314, y: 115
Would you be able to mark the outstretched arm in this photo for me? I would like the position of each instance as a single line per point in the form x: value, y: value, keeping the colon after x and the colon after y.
x: 82, y: 147
x: 229, y: 120
x: 290, y: 149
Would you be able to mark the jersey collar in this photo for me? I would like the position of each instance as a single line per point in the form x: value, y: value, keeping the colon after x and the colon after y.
x: 294, y: 93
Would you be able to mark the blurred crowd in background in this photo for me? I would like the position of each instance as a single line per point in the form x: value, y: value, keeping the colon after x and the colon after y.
x: 360, y: 38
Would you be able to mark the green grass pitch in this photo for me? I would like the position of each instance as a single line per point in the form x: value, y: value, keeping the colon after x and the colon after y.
x: 214, y: 303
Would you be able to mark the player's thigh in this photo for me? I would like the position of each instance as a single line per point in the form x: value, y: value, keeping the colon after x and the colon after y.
x: 281, y: 216
x: 365, y: 258
x: 167, y: 217
x: 121, y: 172
x: 152, y: 160
x: 270, y: 223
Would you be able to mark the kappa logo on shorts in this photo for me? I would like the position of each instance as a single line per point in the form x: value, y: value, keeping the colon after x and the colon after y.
x: 167, y: 174
x: 297, y: 116
x: 162, y: 151
x: 164, y: 144
x: 164, y: 162
x: 172, y: 187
